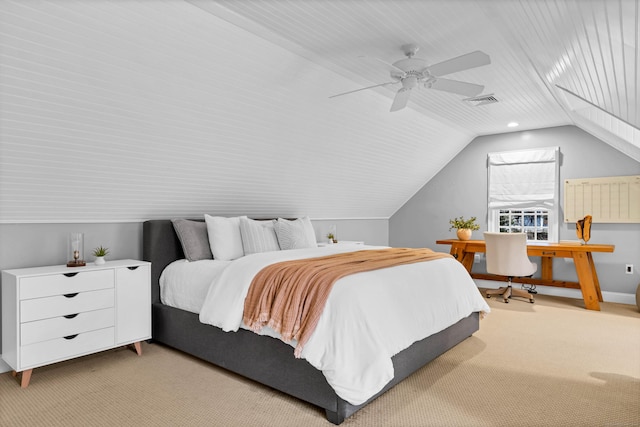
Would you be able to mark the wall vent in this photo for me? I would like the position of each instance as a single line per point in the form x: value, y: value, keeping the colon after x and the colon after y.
x: 481, y: 100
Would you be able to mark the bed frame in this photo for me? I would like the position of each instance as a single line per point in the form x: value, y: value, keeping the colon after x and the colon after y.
x: 265, y: 359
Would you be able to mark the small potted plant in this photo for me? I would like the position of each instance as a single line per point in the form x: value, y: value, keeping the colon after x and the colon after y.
x: 100, y: 253
x: 331, y: 238
x: 464, y: 227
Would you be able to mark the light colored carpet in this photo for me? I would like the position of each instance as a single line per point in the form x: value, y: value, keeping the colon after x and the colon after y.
x: 551, y: 363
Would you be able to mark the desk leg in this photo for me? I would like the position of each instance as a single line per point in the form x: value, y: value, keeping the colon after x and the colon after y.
x: 547, y: 268
x: 596, y: 282
x: 586, y: 279
x: 466, y: 258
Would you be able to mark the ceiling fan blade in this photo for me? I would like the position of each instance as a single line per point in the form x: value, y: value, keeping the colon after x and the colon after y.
x: 392, y: 68
x: 401, y: 99
x: 463, y: 62
x: 461, y: 88
x: 363, y: 88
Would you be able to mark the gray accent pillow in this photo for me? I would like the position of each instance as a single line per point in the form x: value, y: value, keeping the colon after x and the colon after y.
x: 193, y: 238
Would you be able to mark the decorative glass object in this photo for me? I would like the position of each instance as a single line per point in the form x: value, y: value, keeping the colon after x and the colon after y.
x: 76, y: 250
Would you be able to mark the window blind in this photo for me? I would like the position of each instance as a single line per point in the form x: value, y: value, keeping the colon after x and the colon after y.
x: 523, y: 179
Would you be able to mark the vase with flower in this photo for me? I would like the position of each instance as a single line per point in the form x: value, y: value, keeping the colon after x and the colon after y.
x: 464, y: 227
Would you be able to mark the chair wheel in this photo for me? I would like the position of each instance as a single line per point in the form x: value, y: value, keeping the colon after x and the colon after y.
x: 531, y: 301
x: 506, y: 301
x: 488, y: 296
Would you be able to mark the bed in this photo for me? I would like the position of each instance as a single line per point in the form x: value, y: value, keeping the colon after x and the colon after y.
x: 262, y: 358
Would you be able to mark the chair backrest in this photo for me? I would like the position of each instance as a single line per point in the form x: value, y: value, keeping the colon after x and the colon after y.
x: 507, y: 254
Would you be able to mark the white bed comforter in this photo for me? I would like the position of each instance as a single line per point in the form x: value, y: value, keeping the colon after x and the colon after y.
x: 368, y: 318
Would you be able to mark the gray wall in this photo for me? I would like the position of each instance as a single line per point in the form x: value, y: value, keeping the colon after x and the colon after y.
x: 33, y: 245
x: 460, y: 188
x: 370, y: 231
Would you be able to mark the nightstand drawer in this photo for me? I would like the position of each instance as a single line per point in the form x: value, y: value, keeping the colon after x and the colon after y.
x: 58, y: 327
x: 63, y: 348
x: 65, y: 283
x: 61, y: 305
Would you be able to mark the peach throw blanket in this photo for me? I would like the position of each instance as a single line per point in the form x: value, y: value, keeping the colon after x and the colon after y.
x: 289, y: 296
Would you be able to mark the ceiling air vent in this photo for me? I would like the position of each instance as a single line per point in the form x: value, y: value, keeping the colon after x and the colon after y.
x: 481, y: 100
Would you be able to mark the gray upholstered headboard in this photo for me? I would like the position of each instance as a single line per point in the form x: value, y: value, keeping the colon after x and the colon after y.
x: 160, y: 246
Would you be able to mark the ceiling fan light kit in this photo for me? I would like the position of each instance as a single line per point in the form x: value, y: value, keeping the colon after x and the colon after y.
x: 414, y: 72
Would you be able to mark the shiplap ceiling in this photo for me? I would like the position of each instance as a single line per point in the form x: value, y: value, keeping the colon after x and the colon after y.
x: 589, y: 47
x: 126, y: 110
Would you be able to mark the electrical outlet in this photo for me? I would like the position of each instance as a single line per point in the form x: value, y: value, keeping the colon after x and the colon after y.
x: 628, y: 269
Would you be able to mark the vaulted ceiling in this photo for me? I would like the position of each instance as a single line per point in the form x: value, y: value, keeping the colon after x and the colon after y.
x: 115, y: 111
x: 541, y: 52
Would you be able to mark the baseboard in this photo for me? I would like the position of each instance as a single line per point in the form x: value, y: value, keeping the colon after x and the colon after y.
x: 3, y: 366
x: 607, y: 296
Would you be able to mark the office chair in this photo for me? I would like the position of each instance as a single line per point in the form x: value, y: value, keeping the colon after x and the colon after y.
x: 507, y: 256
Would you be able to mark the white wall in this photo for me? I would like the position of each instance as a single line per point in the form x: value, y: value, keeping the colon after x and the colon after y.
x: 117, y: 110
x: 461, y: 189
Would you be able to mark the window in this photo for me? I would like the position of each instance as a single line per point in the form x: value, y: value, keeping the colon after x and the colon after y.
x: 524, y: 192
x: 534, y: 222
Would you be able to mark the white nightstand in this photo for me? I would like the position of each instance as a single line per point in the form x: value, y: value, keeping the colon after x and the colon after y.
x: 51, y: 314
x: 341, y: 242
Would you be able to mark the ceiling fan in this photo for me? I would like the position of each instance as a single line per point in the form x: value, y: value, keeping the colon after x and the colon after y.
x: 414, y: 72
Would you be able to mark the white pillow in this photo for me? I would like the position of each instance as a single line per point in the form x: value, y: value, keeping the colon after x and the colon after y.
x: 224, y: 237
x: 258, y: 236
x: 296, y: 234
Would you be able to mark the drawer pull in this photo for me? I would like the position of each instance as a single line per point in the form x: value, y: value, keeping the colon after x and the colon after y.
x: 69, y: 274
x: 70, y: 316
x: 70, y: 337
x: 135, y: 267
x: 549, y: 253
x: 70, y: 295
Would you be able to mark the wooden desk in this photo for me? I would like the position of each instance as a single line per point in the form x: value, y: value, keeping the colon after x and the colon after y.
x: 465, y: 250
